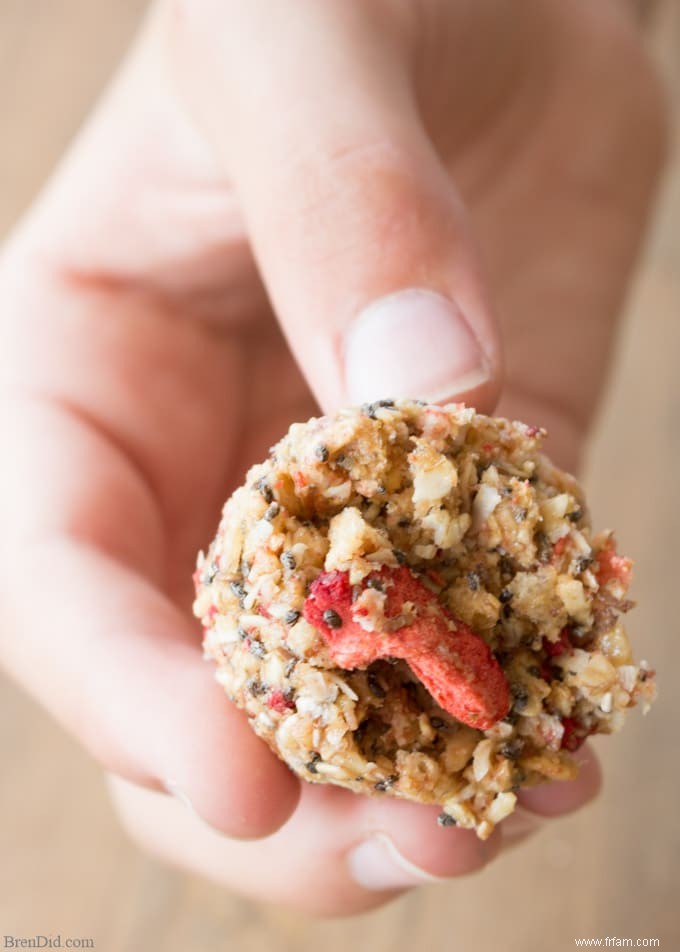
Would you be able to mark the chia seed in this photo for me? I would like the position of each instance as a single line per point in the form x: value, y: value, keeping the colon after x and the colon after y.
x: 210, y: 573
x: 288, y: 560
x: 370, y: 409
x: 575, y: 515
x: 543, y: 546
x: 512, y: 749
x: 375, y: 686
x: 272, y: 511
x: 264, y: 489
x: 239, y: 591
x: 311, y: 764
x: 332, y: 619
x: 376, y: 584
x: 291, y: 616
x: 505, y: 596
x: 521, y: 696
x: 321, y: 452
x: 255, y: 686
x: 257, y: 648
x: 445, y: 819
x: 473, y: 581
x: 382, y: 785
x: 399, y: 556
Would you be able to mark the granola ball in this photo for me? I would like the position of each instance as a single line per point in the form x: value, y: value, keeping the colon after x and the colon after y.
x: 408, y: 600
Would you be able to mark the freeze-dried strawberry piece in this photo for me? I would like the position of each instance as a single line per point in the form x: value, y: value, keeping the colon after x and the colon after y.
x: 555, y: 648
x: 278, y: 702
x: 574, y: 734
x: 448, y: 658
x: 610, y: 566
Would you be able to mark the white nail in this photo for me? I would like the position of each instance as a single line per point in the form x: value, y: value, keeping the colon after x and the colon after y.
x: 414, y: 343
x: 377, y: 864
x: 179, y: 794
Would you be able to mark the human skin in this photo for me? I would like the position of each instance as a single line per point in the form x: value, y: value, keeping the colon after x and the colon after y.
x: 192, y: 281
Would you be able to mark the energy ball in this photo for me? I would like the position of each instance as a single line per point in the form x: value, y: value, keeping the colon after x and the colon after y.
x: 408, y: 600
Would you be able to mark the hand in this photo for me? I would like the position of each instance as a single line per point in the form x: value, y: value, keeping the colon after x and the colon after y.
x: 270, y: 169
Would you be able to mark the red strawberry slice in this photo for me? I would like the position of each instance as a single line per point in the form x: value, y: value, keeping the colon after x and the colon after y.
x: 448, y: 658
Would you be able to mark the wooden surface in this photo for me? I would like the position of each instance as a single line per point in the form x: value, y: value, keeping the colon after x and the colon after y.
x: 611, y: 870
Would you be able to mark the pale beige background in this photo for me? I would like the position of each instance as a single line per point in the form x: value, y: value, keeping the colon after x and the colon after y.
x: 612, y: 870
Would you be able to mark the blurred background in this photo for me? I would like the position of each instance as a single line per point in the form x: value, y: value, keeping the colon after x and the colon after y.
x: 611, y: 870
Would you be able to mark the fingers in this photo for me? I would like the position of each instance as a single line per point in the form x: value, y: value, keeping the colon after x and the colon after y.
x: 361, y: 238
x: 536, y: 804
x: 556, y: 799
x: 95, y: 640
x: 121, y: 667
x: 339, y: 854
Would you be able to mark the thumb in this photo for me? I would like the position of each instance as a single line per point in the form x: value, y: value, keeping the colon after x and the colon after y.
x: 360, y: 236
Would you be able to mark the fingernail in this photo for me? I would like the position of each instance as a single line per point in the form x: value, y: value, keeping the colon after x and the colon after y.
x: 377, y: 864
x: 179, y: 794
x: 413, y: 343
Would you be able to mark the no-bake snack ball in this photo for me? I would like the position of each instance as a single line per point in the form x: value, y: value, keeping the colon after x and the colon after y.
x: 408, y: 600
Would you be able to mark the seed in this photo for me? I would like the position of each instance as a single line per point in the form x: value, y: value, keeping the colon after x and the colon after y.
x: 210, y: 573
x: 375, y: 686
x: 264, y: 489
x: 239, y: 591
x: 272, y: 511
x: 445, y: 819
x: 332, y: 619
x: 291, y: 616
x: 255, y: 686
x: 376, y: 584
x: 521, y: 696
x: 437, y: 723
x: 519, y: 513
x: 473, y: 581
x: 543, y: 546
x: 312, y: 762
x: 382, y: 785
x: 370, y: 409
x: 257, y: 648
x: 399, y: 556
x: 512, y: 749
x: 575, y: 515
x: 321, y: 452
x: 288, y: 560
x: 504, y: 596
